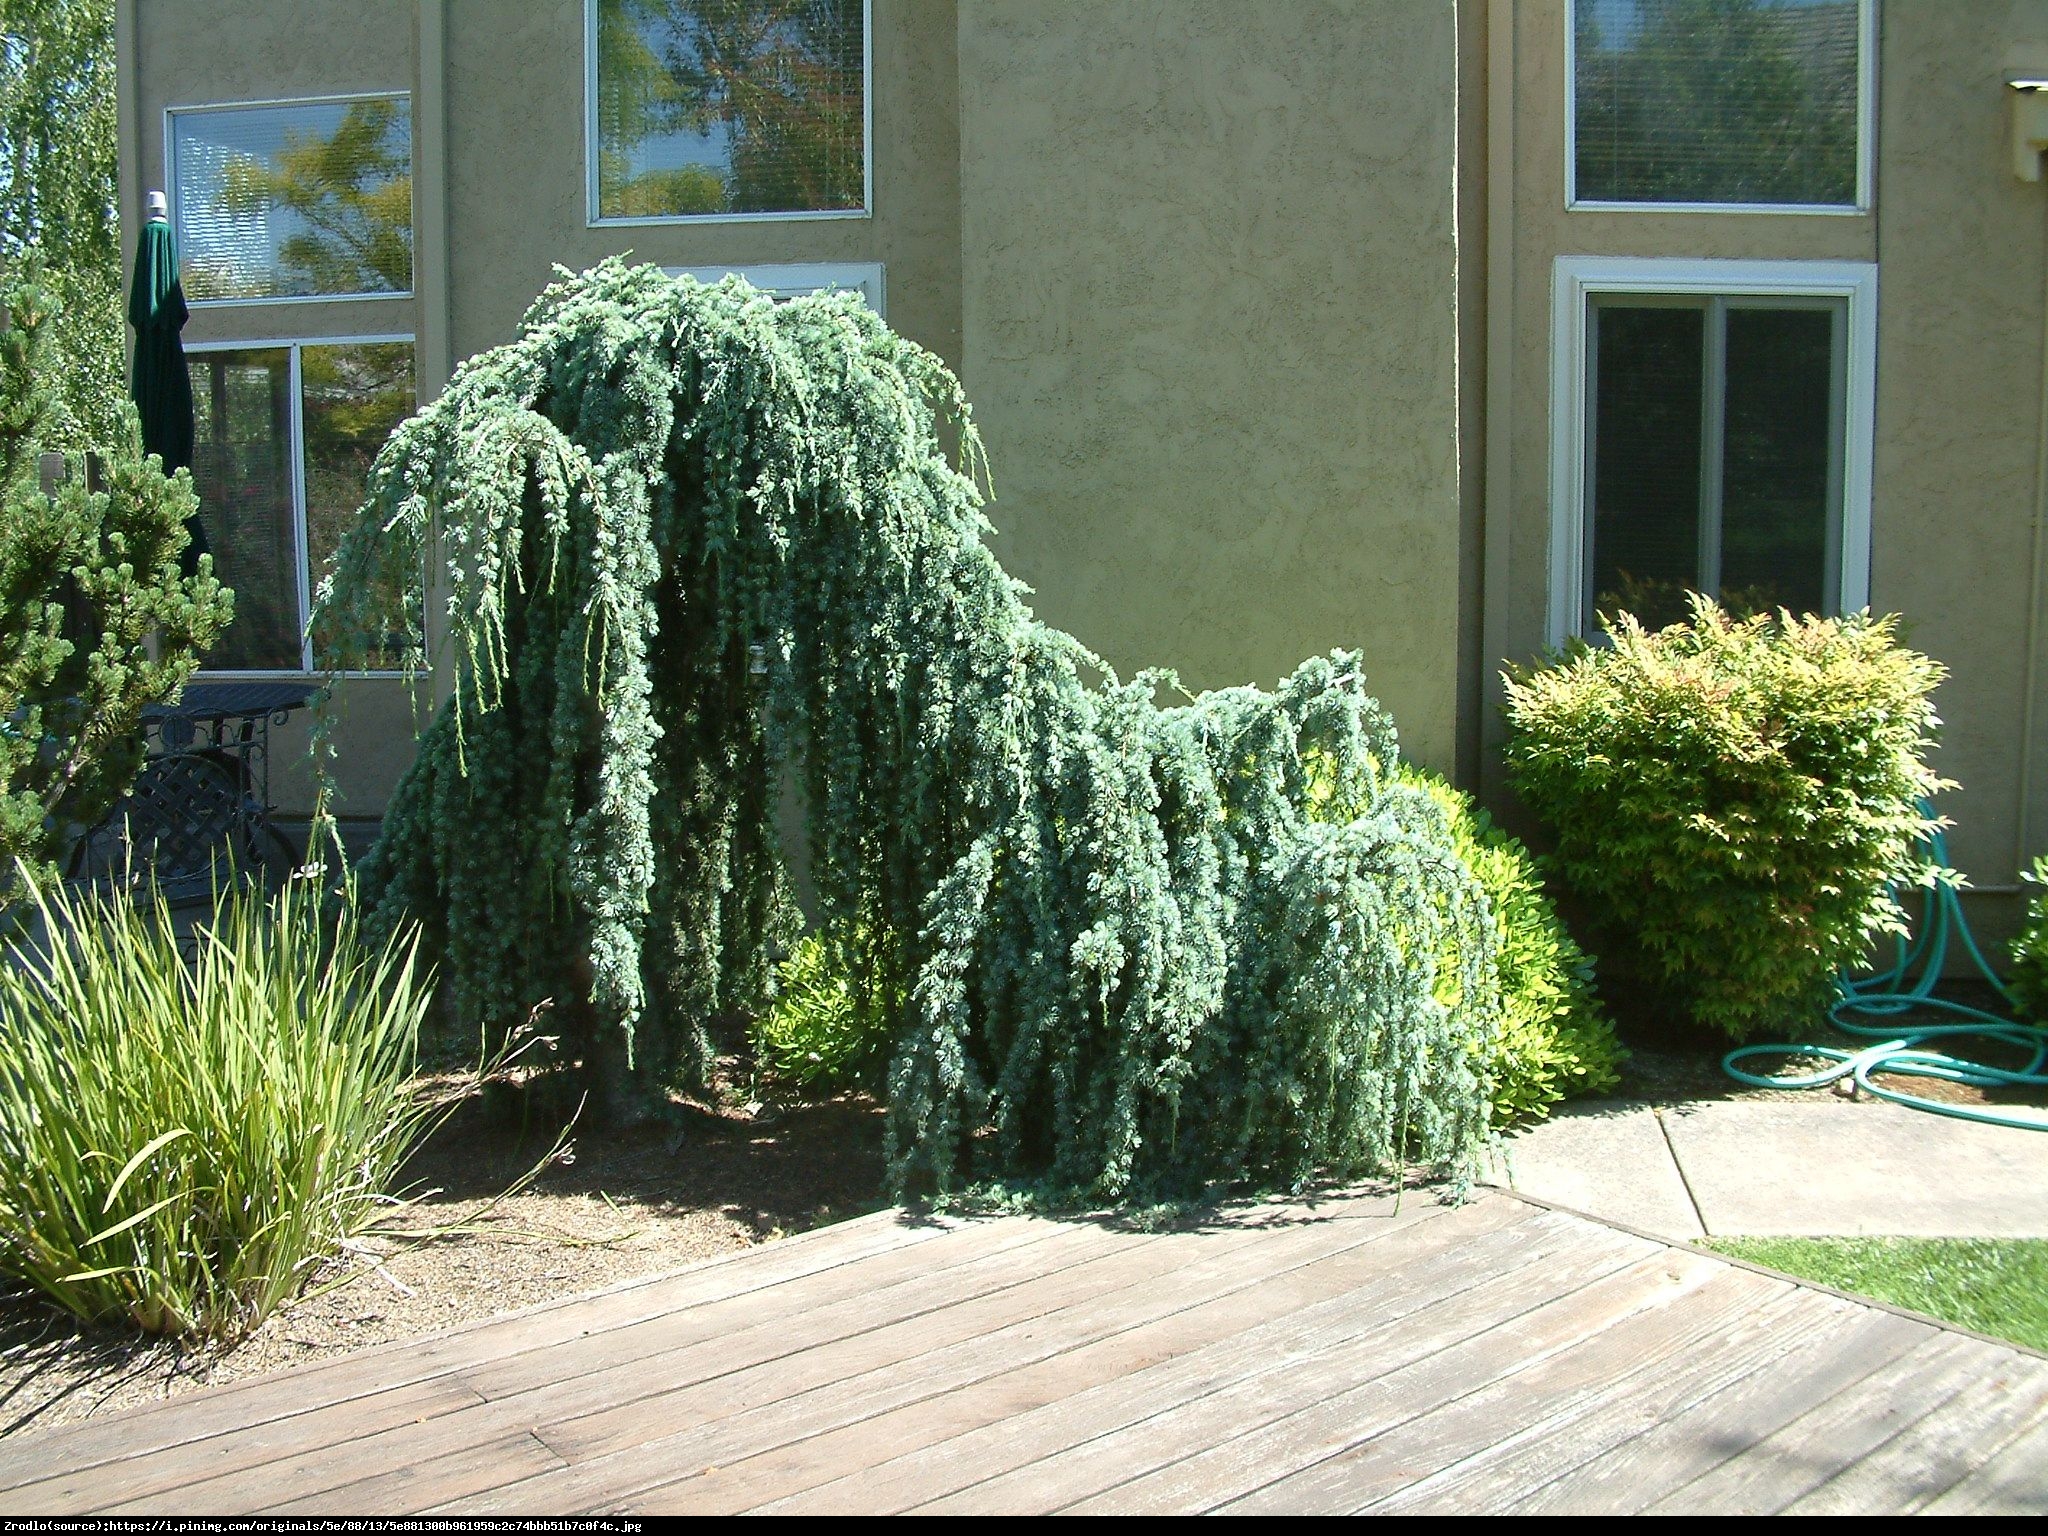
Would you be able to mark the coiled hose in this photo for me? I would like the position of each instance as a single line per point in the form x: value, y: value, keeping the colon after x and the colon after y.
x: 1908, y: 986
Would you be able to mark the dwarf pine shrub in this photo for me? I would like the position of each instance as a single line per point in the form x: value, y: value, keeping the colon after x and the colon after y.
x: 1733, y: 800
x: 691, y: 540
x: 97, y: 620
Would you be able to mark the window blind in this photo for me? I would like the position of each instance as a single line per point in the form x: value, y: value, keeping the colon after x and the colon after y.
x: 294, y: 200
x: 1716, y: 101
x: 729, y: 106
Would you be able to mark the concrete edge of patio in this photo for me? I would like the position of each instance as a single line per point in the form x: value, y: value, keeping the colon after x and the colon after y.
x: 1778, y: 1168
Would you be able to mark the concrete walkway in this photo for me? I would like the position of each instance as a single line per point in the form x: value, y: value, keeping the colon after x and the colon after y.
x: 1775, y: 1168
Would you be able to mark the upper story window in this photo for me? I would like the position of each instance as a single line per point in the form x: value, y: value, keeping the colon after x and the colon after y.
x: 727, y: 109
x: 1721, y: 104
x: 793, y: 279
x: 293, y: 199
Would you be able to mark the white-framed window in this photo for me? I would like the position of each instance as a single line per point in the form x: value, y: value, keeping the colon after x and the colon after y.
x: 742, y: 110
x: 284, y: 436
x: 283, y: 201
x: 791, y: 279
x: 1752, y: 106
x: 1711, y: 430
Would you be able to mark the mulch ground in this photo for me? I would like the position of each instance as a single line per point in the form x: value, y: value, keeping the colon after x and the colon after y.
x: 619, y: 1205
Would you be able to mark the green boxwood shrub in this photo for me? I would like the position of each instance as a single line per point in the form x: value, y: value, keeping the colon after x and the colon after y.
x: 1733, y: 800
x: 182, y: 1143
x: 1555, y: 1040
x: 2029, y: 980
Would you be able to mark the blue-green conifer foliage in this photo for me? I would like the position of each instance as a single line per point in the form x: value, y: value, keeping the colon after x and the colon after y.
x: 691, y: 540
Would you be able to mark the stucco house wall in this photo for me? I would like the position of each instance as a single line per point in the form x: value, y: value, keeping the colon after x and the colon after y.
x: 1210, y: 278
x: 1961, y: 246
x: 1254, y: 303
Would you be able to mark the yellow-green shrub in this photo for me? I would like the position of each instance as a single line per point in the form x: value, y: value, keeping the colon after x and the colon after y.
x: 2029, y: 981
x: 1554, y: 1041
x: 1733, y: 800
x: 816, y: 1033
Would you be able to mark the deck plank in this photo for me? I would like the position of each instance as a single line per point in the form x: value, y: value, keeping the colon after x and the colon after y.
x: 1938, y: 1450
x: 1835, y: 1432
x: 77, y: 1448
x: 301, y: 1468
x: 1670, y: 1451
x: 1655, y: 1363
x: 849, y: 1424
x: 1146, y: 1467
x: 1337, y: 1455
x: 1349, y: 1353
x: 2012, y: 1482
x: 1049, y: 1420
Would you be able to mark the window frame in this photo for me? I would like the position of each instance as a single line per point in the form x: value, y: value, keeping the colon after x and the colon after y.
x: 594, y: 220
x: 295, y: 441
x: 1866, y: 123
x: 1575, y: 283
x: 171, y: 192
x: 795, y: 279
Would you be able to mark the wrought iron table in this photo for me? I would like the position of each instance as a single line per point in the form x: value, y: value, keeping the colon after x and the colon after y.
x: 202, y: 798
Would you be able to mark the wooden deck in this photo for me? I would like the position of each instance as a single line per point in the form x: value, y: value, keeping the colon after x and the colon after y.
x: 1287, y: 1358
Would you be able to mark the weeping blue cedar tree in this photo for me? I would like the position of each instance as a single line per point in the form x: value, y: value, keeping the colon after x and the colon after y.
x: 692, y: 540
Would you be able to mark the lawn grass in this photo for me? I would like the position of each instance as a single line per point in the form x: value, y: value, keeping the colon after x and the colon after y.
x: 1996, y: 1286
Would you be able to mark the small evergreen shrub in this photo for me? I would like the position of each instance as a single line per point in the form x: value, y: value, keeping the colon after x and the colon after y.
x: 2029, y: 980
x: 1733, y: 800
x: 182, y: 1143
x: 1555, y: 1041
x: 817, y: 1033
x: 97, y: 621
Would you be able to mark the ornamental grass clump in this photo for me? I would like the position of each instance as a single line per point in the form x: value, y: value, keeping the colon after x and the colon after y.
x: 693, y: 540
x: 184, y: 1142
x: 1734, y: 801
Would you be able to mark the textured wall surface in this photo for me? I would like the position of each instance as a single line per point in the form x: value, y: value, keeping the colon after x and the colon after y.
x: 1963, y: 255
x: 1210, y: 304
x: 1960, y: 245
x: 516, y: 189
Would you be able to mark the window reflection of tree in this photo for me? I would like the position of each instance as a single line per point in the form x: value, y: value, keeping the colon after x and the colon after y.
x: 779, y: 82
x: 354, y: 394
x: 1737, y: 101
x: 350, y: 195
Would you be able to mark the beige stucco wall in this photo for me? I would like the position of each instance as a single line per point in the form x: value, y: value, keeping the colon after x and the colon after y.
x: 516, y: 189
x: 1209, y: 281
x: 1963, y: 257
x: 1960, y: 245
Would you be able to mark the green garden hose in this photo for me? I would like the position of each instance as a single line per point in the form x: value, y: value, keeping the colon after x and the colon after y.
x: 1908, y: 986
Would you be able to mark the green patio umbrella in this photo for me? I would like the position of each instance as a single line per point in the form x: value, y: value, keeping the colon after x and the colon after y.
x: 161, y: 384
